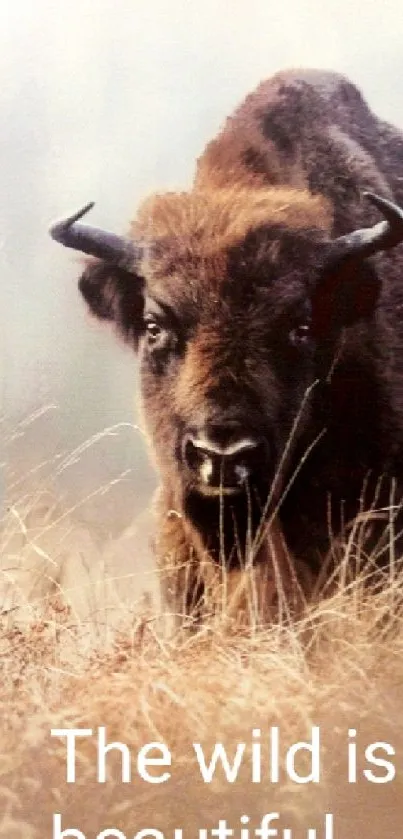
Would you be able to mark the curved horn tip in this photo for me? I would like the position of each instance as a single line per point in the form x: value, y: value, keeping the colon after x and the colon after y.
x: 374, y: 199
x: 84, y: 210
x: 382, y: 204
x: 59, y: 226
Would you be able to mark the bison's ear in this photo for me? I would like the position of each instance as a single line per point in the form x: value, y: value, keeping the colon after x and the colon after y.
x: 344, y: 295
x: 114, y: 294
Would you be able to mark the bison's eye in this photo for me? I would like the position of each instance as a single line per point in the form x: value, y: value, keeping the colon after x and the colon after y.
x: 301, y: 335
x: 157, y: 334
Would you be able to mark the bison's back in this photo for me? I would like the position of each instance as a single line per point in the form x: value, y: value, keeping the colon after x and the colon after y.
x: 309, y: 129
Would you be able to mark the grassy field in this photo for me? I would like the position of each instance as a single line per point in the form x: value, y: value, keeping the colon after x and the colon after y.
x: 338, y: 666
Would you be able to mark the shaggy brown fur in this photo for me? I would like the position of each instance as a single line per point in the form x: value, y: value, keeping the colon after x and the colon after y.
x: 260, y: 364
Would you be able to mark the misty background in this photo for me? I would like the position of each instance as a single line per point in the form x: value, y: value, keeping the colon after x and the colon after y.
x: 108, y: 101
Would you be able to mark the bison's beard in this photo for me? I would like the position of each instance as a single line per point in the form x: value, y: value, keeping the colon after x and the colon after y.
x: 230, y: 526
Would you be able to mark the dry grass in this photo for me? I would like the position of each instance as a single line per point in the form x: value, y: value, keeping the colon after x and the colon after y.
x: 82, y: 645
x: 339, y: 666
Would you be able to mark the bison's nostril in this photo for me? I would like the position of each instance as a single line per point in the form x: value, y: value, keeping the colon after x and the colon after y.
x: 194, y: 455
x: 215, y: 465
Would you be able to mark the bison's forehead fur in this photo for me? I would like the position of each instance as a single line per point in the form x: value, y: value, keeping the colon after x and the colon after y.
x: 196, y: 231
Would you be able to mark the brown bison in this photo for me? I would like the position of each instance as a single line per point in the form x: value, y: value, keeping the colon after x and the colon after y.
x: 266, y: 306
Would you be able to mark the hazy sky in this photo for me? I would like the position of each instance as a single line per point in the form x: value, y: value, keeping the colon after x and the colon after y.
x: 108, y: 100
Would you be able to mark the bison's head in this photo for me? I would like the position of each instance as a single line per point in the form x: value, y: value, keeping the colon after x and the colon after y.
x: 235, y: 302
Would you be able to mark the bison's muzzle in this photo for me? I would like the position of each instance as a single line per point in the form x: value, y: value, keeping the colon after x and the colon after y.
x: 222, y: 458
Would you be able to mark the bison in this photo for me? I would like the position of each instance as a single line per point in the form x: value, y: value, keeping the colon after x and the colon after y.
x: 266, y: 306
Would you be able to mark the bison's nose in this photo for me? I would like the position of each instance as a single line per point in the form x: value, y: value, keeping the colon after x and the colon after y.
x: 220, y: 458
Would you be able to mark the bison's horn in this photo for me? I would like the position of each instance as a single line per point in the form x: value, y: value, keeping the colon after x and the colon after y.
x: 384, y: 235
x: 118, y: 250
